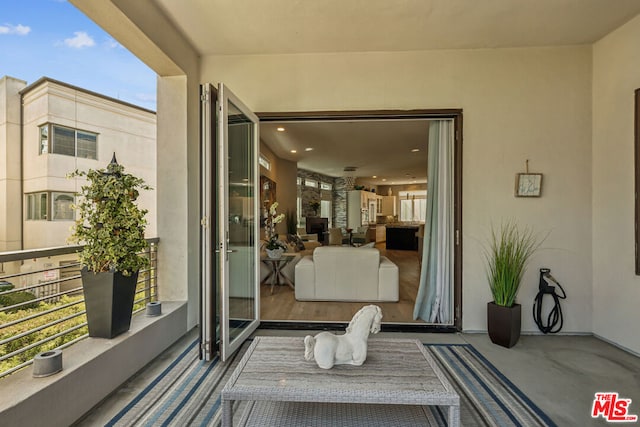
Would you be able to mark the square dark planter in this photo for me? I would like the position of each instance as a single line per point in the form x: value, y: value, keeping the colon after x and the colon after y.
x: 109, y: 302
x: 503, y: 324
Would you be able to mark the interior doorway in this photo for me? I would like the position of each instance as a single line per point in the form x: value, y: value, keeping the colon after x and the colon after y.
x: 282, y: 307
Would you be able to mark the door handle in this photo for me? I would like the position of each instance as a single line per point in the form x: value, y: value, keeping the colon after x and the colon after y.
x: 229, y: 251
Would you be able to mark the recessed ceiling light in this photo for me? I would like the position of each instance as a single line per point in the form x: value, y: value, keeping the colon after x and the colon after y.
x: 374, y: 176
x: 415, y: 150
x: 294, y: 151
x: 280, y: 129
x: 308, y: 149
x: 384, y: 179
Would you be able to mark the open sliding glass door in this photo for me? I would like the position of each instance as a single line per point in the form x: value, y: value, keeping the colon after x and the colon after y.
x: 230, y: 298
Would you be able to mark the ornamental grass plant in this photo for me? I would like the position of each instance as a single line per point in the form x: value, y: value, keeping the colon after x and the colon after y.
x: 510, y: 249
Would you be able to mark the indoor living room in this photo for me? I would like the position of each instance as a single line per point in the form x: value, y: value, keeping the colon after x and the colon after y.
x: 343, y: 184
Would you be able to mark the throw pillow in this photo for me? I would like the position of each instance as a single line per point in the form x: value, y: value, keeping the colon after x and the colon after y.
x: 295, y: 240
x: 369, y: 245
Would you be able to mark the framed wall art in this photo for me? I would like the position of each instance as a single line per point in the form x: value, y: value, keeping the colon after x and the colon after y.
x: 528, y: 184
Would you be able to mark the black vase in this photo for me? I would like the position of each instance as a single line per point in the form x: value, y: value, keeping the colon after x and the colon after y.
x: 503, y: 324
x: 109, y: 302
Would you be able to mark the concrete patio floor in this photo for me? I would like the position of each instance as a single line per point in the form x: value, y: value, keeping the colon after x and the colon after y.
x: 560, y: 374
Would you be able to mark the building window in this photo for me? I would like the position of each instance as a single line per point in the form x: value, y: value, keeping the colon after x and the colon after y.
x: 62, y: 206
x: 86, y: 144
x: 44, y: 139
x: 48, y: 205
x: 310, y: 182
x: 413, y: 206
x: 264, y: 162
x: 37, y: 206
x: 325, y: 210
x: 67, y: 141
x: 326, y: 186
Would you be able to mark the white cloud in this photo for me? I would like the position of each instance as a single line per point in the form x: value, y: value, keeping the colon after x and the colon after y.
x: 112, y: 44
x: 80, y: 41
x: 21, y: 30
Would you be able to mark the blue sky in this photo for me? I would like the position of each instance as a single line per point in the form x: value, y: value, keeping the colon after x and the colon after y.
x: 52, y: 38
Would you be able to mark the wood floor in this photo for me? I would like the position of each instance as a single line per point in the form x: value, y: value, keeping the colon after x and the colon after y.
x: 282, y: 305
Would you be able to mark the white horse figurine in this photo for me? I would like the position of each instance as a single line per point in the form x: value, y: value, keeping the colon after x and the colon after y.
x: 349, y: 349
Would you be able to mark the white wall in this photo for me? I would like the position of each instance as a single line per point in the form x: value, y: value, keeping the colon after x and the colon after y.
x: 518, y: 104
x: 10, y: 166
x: 616, y: 288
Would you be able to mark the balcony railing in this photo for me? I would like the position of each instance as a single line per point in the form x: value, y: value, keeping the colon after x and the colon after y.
x: 44, y: 310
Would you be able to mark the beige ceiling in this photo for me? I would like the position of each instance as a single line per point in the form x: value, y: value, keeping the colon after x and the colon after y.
x: 227, y: 27
x: 381, y: 148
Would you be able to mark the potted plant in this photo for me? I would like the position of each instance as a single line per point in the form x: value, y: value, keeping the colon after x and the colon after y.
x: 274, y: 247
x: 111, y: 227
x: 510, y: 249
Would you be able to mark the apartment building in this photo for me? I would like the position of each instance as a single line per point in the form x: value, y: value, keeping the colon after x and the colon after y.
x: 49, y: 129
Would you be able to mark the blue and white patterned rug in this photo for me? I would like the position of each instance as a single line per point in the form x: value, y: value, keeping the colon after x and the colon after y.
x: 187, y: 393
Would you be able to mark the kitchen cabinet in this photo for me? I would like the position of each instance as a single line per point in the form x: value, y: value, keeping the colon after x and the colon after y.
x: 381, y: 233
x: 388, y: 205
x: 358, y: 209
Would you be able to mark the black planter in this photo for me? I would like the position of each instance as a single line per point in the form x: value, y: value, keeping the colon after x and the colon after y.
x: 503, y: 324
x: 109, y: 301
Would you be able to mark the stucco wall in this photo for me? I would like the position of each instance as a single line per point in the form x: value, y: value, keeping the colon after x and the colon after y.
x: 129, y: 132
x: 518, y: 104
x: 616, y: 288
x: 10, y: 165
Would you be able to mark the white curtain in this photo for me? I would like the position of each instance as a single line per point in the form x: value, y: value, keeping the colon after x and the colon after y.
x: 435, y: 292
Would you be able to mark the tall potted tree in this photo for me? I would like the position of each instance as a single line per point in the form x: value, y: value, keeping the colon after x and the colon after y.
x: 509, y: 252
x: 111, y: 227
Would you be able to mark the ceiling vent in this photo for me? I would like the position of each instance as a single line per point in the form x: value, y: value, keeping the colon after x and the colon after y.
x: 350, y: 169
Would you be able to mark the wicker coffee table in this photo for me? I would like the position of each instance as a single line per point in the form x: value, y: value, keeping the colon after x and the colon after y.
x: 393, y: 387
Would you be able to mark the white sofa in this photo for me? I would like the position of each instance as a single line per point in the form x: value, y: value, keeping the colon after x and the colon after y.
x: 341, y: 273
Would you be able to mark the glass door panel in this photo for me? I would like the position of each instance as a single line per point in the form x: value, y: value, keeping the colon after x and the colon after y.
x: 238, y: 258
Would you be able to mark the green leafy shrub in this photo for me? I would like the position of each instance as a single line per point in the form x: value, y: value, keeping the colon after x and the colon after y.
x: 22, y: 327
x: 34, y: 337
x: 17, y: 298
x: 109, y: 223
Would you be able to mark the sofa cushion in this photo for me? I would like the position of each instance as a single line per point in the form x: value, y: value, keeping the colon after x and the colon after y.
x: 346, y: 272
x: 337, y: 273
